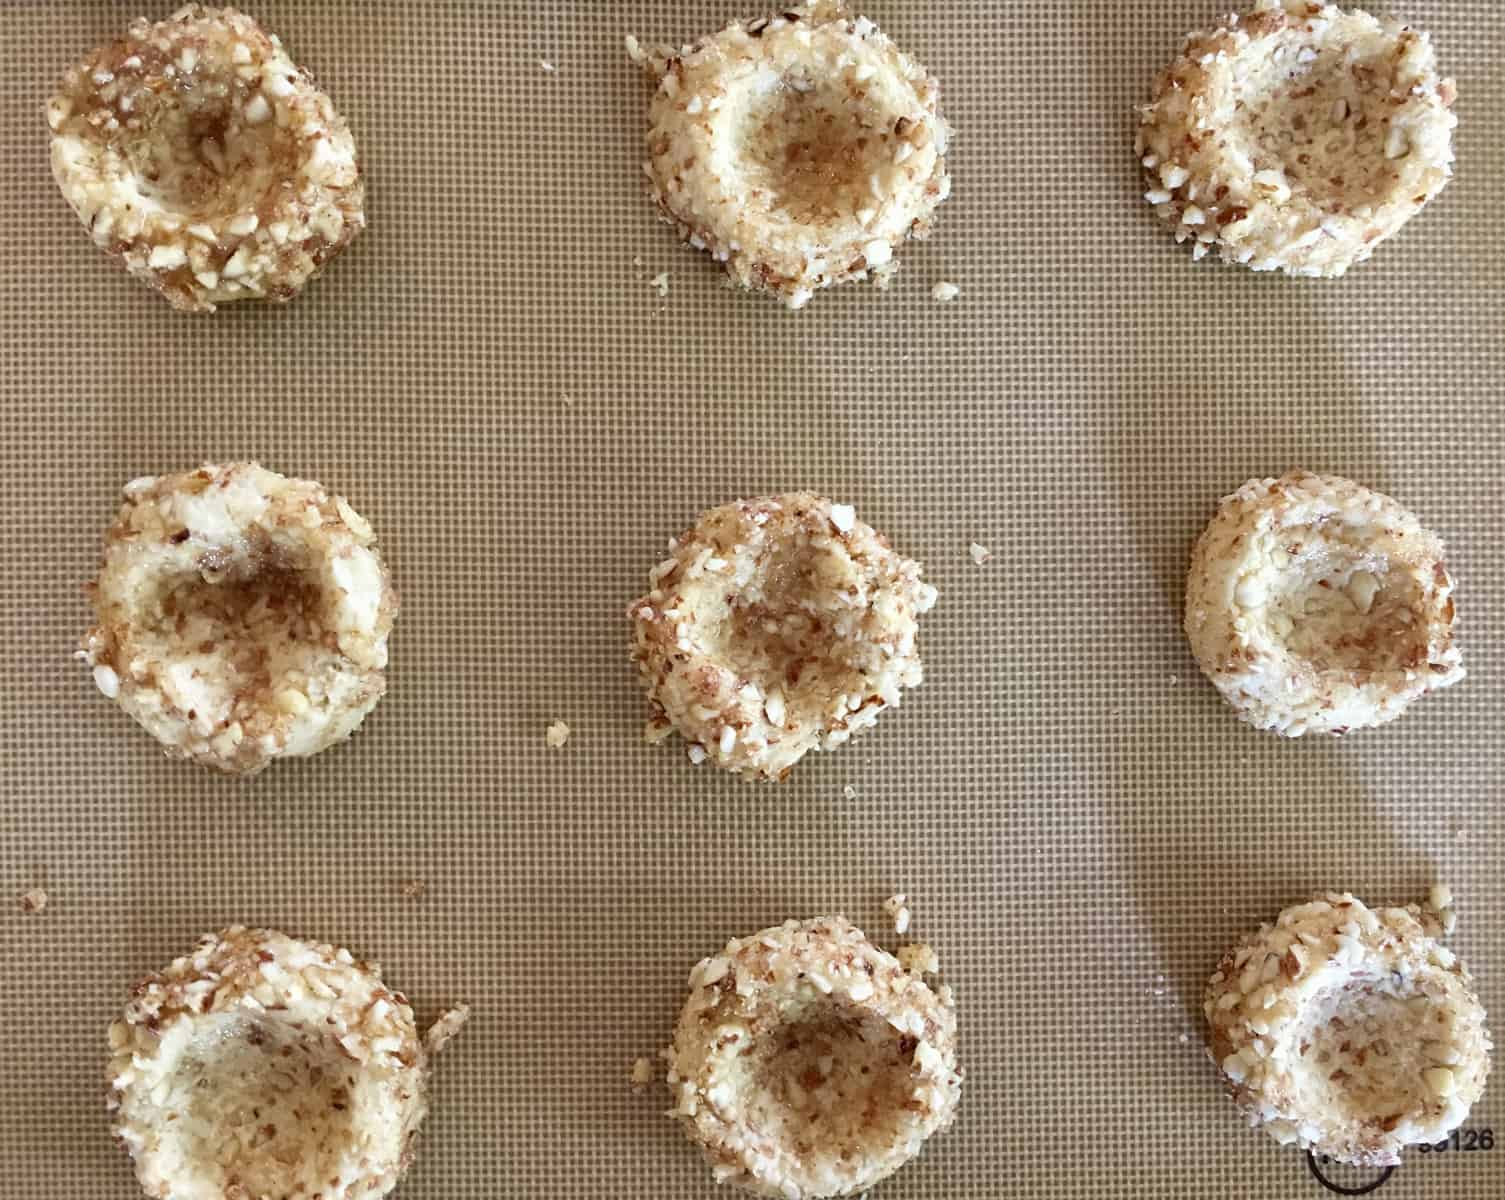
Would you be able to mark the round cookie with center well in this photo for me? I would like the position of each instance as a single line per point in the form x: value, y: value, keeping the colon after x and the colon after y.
x: 799, y: 149
x: 1298, y: 137
x: 1318, y: 606
x: 242, y: 616
x: 808, y: 1063
x: 777, y: 626
x: 261, y: 1066
x: 1349, y: 1031
x: 200, y: 155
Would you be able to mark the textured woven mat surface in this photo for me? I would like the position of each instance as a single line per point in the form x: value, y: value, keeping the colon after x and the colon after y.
x: 489, y: 377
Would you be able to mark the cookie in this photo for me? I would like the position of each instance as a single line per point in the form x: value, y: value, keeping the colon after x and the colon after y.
x: 242, y: 616
x: 199, y: 155
x: 260, y: 1065
x: 777, y: 626
x: 799, y: 149
x: 1350, y: 1031
x: 1318, y: 606
x: 1297, y: 137
x: 809, y: 1063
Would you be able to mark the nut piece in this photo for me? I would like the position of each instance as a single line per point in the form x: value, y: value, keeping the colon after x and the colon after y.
x: 1440, y: 901
x: 33, y: 902
x: 897, y: 908
x: 1297, y: 138
x: 919, y: 958
x: 778, y: 626
x: 807, y: 1063
x: 443, y: 1031
x: 200, y: 155
x: 556, y: 735
x: 1318, y: 606
x: 1348, y: 1031
x: 242, y: 617
x: 306, y: 1037
x: 799, y: 149
x: 1442, y: 1081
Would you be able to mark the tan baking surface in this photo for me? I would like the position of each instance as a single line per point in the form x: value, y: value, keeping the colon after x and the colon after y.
x: 492, y: 381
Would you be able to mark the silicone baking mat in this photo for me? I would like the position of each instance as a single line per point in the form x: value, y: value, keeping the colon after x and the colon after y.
x: 489, y: 376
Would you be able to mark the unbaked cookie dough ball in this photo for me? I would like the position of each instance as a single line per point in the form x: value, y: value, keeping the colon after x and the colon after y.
x: 1350, y: 1031
x: 808, y: 1063
x: 799, y: 149
x: 777, y: 626
x: 1318, y: 606
x: 242, y: 616
x: 260, y: 1066
x: 196, y: 152
x: 1297, y: 137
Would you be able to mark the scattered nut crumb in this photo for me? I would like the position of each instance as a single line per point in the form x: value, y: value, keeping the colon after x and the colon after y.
x: 897, y: 907
x: 33, y: 902
x: 660, y: 283
x: 444, y: 1030
x: 980, y: 553
x: 411, y: 889
x: 1440, y: 900
x: 548, y: 67
x: 642, y: 1072
x: 556, y: 735
x: 696, y: 754
x: 849, y: 792
x: 944, y: 293
x: 919, y: 958
x: 946, y: 994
